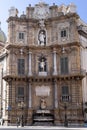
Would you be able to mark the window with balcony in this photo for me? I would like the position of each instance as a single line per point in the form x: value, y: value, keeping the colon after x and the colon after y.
x: 64, y: 65
x: 65, y: 93
x: 21, y: 66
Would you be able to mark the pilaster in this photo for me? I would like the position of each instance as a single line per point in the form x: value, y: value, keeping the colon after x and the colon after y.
x: 54, y: 63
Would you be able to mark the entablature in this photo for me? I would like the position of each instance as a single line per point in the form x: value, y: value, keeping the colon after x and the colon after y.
x: 76, y: 74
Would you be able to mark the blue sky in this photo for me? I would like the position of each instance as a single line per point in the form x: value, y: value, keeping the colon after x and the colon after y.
x: 22, y: 4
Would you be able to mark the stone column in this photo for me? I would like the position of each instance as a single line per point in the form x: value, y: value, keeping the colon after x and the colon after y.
x: 54, y: 63
x: 30, y: 99
x: 30, y: 69
x: 55, y: 95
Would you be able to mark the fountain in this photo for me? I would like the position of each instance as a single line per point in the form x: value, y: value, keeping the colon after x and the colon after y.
x: 43, y: 116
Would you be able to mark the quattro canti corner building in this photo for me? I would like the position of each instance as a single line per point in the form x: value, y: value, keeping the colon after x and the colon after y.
x: 43, y: 67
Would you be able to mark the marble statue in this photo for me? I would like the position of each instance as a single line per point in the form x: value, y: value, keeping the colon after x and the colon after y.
x: 43, y: 103
x: 42, y: 65
x: 42, y: 38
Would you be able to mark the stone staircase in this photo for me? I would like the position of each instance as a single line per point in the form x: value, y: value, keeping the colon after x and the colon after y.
x: 43, y: 118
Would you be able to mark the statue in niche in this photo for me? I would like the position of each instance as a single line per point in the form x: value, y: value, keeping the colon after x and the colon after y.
x: 42, y: 37
x: 42, y: 65
x: 43, y: 103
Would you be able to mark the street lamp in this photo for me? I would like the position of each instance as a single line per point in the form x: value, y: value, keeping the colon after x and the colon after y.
x: 8, y: 109
x: 66, y: 120
x: 21, y: 105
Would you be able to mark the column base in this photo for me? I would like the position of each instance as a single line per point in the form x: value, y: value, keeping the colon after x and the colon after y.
x: 54, y: 73
x: 30, y: 74
x: 29, y: 119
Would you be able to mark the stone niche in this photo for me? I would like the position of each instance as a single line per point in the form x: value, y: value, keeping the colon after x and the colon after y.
x: 42, y: 91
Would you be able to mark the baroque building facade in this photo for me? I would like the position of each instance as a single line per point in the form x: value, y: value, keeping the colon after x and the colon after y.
x: 43, y: 66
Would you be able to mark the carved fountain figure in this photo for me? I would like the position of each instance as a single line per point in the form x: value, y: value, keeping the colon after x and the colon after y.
x: 43, y: 103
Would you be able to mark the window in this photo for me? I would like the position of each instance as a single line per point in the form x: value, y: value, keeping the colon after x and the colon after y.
x: 20, y: 93
x: 65, y: 90
x: 21, y: 36
x: 64, y: 65
x: 21, y: 66
x: 65, y: 93
x: 63, y: 33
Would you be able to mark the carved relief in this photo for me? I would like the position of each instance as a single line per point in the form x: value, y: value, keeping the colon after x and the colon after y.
x: 41, y: 11
x: 43, y: 103
x: 42, y: 91
x: 41, y: 24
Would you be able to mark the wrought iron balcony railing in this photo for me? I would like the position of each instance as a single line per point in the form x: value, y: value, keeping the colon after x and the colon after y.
x: 66, y: 98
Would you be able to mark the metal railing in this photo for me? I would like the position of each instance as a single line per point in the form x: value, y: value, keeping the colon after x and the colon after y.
x: 66, y: 98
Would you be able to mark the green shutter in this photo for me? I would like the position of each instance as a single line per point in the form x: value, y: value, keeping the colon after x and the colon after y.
x: 64, y: 65
x: 65, y: 90
x: 21, y: 66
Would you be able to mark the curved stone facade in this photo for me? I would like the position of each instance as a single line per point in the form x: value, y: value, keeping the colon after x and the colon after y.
x: 44, y: 74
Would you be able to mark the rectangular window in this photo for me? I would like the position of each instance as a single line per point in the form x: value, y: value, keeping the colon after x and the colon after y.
x: 64, y: 65
x: 20, y: 94
x: 21, y: 66
x: 20, y: 91
x: 21, y: 36
x: 65, y: 93
x: 63, y: 33
x: 65, y: 90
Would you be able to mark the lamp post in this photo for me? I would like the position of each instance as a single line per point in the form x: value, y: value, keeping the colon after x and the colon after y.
x: 66, y: 120
x: 21, y: 105
x: 8, y: 109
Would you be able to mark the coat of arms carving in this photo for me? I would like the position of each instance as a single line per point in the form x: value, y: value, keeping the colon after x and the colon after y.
x: 41, y: 11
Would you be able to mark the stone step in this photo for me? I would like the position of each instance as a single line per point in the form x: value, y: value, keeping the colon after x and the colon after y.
x: 43, y: 119
x: 43, y: 124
